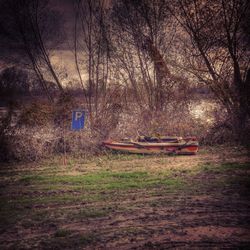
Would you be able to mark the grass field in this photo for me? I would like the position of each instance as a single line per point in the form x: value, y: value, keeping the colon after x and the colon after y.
x: 128, y: 202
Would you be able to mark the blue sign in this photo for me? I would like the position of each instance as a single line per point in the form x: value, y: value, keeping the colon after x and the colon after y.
x: 78, y: 118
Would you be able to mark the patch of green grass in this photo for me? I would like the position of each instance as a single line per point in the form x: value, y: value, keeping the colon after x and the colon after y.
x: 28, y: 179
x: 129, y: 175
x: 241, y: 183
x: 235, y: 165
x: 101, y: 181
x: 114, y: 155
x: 62, y: 233
x: 177, y: 182
x: 10, y: 213
x: 56, y: 187
x: 219, y: 175
x: 131, y: 230
x: 210, y: 167
x: 39, y: 216
x: 90, y: 213
x: 91, y: 178
x: 50, y: 186
x: 58, y: 199
x: 87, y: 239
x: 90, y: 187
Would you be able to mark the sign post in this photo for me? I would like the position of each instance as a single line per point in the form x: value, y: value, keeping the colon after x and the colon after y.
x: 77, y: 123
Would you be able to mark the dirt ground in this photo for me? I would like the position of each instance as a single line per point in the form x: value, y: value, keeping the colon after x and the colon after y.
x: 128, y: 202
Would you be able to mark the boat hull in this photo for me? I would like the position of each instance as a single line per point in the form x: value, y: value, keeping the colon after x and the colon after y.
x: 185, y: 148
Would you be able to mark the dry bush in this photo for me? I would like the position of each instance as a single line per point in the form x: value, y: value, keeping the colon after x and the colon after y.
x: 44, y: 130
x: 35, y: 114
x: 222, y: 132
x: 32, y: 143
x: 174, y: 121
x: 107, y: 120
x: 31, y: 137
x: 5, y: 133
x: 79, y: 143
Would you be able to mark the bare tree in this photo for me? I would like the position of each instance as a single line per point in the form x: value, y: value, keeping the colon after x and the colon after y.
x: 221, y: 59
x: 92, y: 52
x: 13, y: 84
x: 24, y: 29
x: 145, y: 27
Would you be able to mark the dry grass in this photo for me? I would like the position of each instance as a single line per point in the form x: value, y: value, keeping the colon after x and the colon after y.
x: 125, y: 201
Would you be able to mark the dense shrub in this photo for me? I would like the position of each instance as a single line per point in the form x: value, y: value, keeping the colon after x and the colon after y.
x: 42, y: 130
x: 13, y: 84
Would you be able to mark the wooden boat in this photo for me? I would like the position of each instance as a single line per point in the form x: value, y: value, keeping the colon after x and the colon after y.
x: 153, y: 145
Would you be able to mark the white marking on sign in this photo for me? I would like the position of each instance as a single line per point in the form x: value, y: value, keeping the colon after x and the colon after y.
x: 78, y: 115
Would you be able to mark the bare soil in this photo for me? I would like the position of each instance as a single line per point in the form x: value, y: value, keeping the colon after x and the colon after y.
x: 206, y: 206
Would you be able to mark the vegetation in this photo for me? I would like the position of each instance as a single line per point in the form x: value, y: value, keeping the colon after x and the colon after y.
x: 139, y: 65
x: 131, y: 198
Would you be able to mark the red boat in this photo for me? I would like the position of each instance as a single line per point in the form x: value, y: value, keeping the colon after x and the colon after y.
x: 154, y: 145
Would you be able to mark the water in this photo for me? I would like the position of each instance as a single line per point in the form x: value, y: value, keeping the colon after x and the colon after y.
x: 203, y: 110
